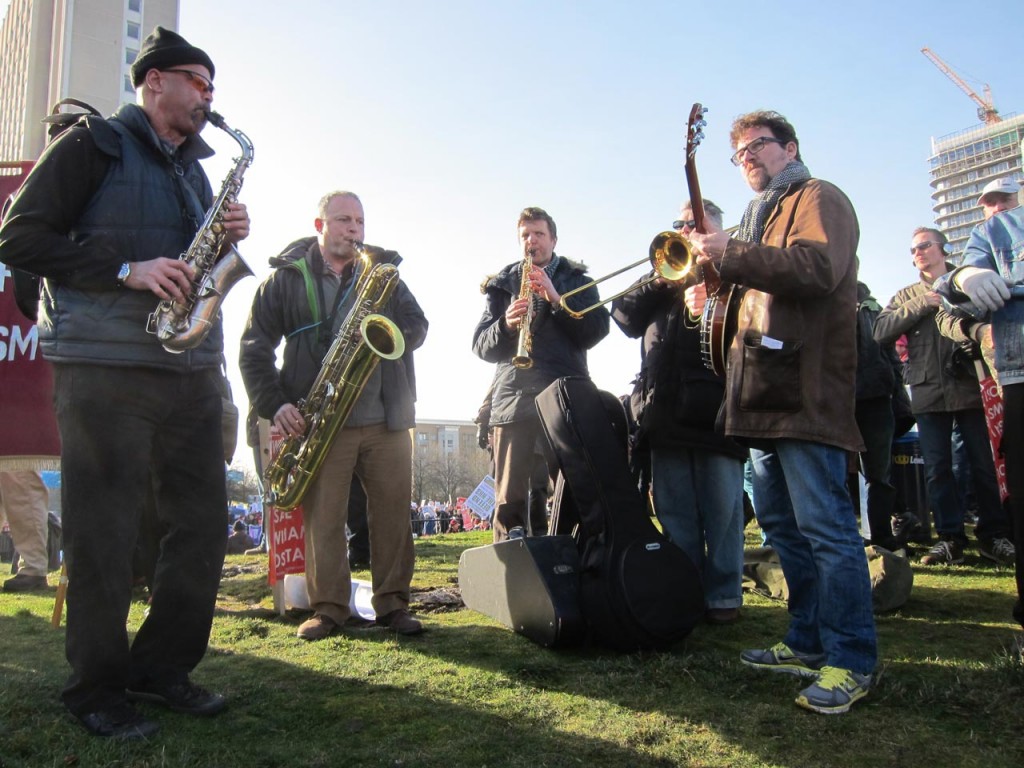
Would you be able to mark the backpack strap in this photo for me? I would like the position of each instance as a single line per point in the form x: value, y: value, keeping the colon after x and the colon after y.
x: 314, y: 305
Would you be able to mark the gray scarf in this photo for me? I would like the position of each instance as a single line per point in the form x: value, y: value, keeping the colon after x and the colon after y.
x: 752, y: 224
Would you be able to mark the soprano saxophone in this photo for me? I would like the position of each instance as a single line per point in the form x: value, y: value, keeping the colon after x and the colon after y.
x: 363, y: 340
x: 184, y: 325
x: 524, y: 343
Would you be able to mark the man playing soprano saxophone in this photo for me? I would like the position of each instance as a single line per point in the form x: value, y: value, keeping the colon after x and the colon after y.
x: 558, y: 347
x: 103, y: 217
x: 305, y: 302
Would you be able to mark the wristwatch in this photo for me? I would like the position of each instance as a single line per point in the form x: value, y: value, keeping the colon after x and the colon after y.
x: 123, y: 273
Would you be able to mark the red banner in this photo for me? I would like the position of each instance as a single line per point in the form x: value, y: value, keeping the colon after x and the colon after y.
x: 286, y: 534
x: 992, y: 402
x: 29, y: 438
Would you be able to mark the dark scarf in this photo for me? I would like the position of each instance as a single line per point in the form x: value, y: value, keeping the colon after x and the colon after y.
x: 760, y: 207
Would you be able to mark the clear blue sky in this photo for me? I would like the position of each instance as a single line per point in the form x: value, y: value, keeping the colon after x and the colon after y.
x: 449, y: 117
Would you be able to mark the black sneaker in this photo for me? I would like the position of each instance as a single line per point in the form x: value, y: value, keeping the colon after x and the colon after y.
x: 121, y: 721
x: 186, y: 698
x: 999, y: 550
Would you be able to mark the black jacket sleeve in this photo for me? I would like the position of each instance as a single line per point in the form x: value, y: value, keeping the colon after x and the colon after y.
x: 34, y: 236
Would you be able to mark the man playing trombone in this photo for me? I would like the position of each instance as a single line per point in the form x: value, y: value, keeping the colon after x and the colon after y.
x: 696, y: 473
x: 533, y: 342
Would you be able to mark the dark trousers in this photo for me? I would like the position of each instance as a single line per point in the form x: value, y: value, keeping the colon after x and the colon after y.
x: 1013, y: 453
x: 876, y: 424
x: 936, y: 431
x: 127, y: 433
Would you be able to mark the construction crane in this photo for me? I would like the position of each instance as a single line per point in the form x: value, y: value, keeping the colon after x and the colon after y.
x: 987, y: 112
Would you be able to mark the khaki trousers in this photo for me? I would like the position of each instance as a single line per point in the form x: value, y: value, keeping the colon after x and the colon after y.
x: 24, y: 502
x: 382, y: 461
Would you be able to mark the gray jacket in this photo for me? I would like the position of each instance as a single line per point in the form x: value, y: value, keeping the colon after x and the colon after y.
x: 940, y: 380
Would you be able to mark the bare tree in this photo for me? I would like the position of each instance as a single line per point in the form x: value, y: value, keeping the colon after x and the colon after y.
x: 242, y: 483
x: 450, y: 478
x: 421, y: 473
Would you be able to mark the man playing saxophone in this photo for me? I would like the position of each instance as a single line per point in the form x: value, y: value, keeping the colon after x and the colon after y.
x: 305, y: 302
x: 103, y: 217
x: 557, y: 346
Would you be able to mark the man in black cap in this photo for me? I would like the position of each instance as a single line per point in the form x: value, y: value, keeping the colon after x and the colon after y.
x: 102, y: 218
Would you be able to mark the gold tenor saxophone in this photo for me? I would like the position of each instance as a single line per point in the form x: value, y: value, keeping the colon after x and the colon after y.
x: 364, y: 339
x: 181, y: 326
x: 524, y: 344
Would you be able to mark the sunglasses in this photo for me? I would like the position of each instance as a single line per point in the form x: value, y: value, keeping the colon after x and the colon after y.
x: 923, y: 246
x: 680, y: 224
x: 198, y: 82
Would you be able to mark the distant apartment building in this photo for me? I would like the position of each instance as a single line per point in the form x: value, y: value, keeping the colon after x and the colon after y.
x: 54, y: 49
x: 445, y: 451
x: 962, y: 163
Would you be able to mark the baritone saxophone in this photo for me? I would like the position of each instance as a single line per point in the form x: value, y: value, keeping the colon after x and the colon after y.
x: 363, y: 340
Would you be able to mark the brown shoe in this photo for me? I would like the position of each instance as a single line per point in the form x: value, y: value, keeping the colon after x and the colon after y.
x: 25, y: 583
x: 402, y: 622
x: 721, y: 615
x: 316, y: 628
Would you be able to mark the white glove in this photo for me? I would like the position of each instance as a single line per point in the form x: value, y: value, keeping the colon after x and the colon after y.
x: 984, y: 287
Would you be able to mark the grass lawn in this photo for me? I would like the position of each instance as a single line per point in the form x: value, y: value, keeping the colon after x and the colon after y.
x: 950, y: 689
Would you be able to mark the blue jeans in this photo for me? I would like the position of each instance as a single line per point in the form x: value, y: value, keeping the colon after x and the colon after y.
x: 935, y: 430
x: 698, y: 498
x: 802, y: 503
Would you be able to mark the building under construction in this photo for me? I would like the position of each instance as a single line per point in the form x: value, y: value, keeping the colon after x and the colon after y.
x: 962, y: 163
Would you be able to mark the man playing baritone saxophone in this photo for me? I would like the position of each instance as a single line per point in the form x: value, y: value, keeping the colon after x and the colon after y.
x: 790, y: 396
x: 103, y: 218
x: 305, y: 302
x: 559, y: 348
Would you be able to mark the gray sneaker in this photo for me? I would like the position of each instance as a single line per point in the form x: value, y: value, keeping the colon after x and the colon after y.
x: 999, y: 550
x: 944, y: 553
x: 834, y: 691
x: 781, y: 658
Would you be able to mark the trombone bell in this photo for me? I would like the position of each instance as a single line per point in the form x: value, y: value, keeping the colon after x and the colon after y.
x: 671, y: 256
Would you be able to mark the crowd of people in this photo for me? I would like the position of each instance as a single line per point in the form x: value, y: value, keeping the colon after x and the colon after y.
x: 141, y: 427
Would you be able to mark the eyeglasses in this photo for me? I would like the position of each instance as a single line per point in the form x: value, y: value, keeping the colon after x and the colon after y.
x: 199, y: 82
x: 679, y: 224
x: 753, y: 148
x: 922, y: 246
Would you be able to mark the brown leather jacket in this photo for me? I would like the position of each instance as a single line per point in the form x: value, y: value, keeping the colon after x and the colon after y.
x: 792, y: 365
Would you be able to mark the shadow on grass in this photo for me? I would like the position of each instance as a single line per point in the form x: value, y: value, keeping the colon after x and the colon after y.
x: 281, y: 714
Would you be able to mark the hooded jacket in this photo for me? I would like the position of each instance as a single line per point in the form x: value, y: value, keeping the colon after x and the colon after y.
x: 288, y: 306
x: 560, y: 342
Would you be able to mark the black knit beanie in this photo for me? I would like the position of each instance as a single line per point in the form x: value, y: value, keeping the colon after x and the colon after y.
x: 164, y: 49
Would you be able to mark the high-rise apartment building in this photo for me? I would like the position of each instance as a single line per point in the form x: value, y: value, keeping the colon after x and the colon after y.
x: 962, y: 163
x: 53, y: 49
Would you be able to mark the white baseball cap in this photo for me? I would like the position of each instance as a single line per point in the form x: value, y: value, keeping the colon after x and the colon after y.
x: 1000, y: 186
